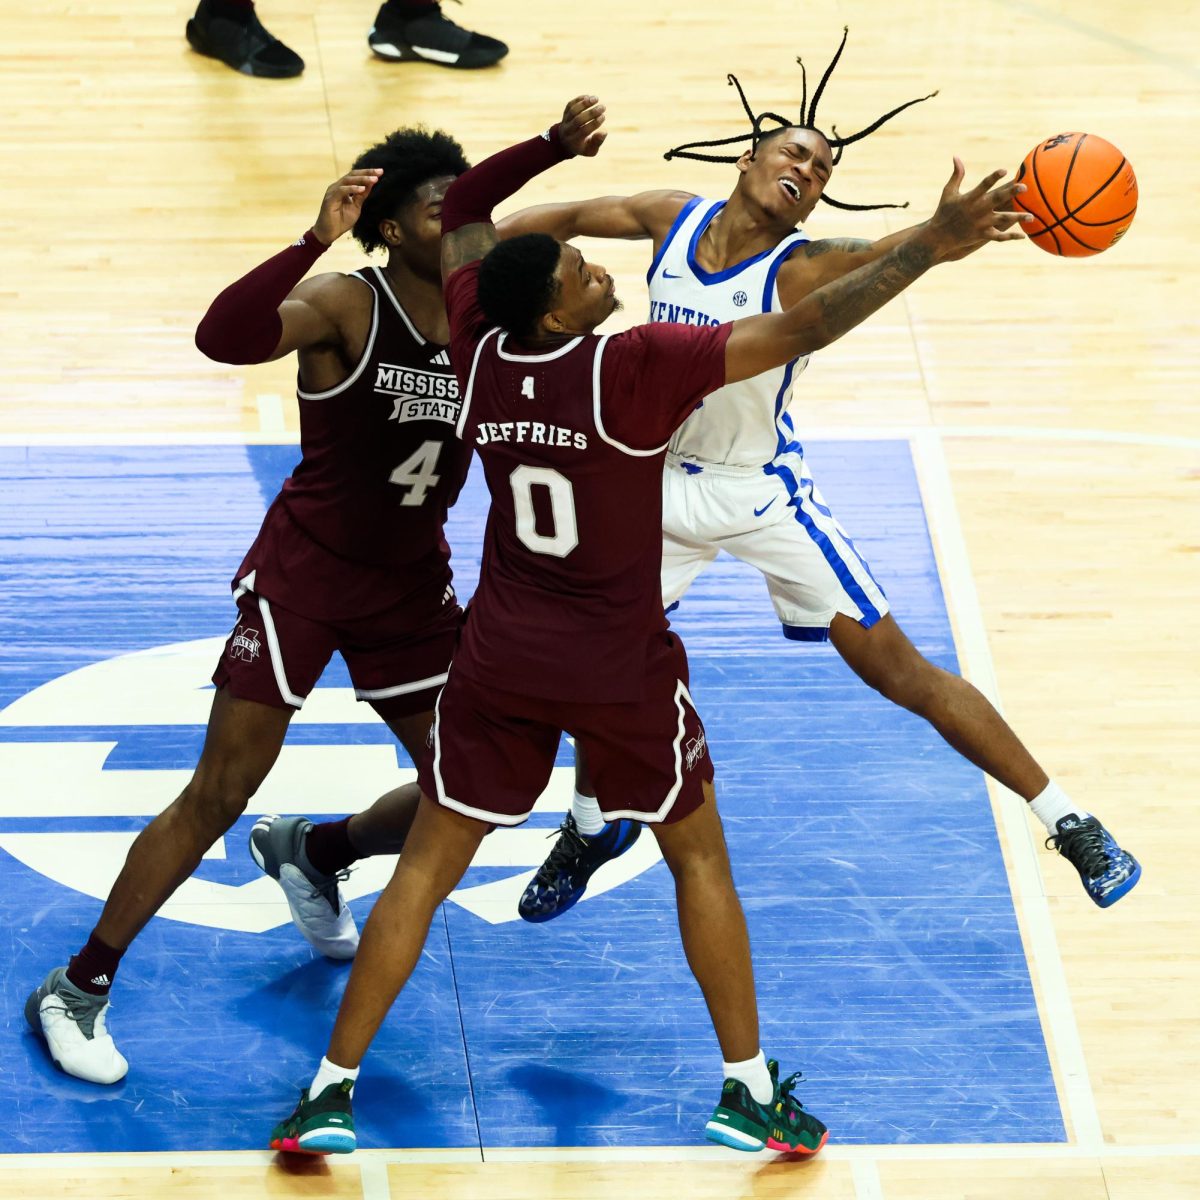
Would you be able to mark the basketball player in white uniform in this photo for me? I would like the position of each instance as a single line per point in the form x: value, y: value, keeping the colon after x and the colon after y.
x: 736, y: 480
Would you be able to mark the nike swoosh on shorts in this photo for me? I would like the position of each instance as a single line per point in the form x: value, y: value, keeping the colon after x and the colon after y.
x: 758, y: 512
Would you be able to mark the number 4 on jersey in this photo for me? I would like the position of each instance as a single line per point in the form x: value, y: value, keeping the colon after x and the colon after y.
x: 416, y: 473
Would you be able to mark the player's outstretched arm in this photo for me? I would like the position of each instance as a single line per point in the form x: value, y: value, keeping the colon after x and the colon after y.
x: 963, y: 222
x: 269, y: 312
x: 468, y: 231
x: 823, y: 261
x: 645, y: 215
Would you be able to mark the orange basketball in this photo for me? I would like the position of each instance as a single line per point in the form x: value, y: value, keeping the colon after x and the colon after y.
x: 1082, y: 191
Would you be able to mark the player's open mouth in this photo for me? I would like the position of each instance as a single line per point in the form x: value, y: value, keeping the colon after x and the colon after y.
x: 793, y: 192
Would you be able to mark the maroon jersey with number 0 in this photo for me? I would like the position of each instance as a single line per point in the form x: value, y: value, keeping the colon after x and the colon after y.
x: 572, y: 443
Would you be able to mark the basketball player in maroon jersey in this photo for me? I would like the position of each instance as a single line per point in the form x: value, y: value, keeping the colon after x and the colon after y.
x: 350, y: 557
x: 572, y: 430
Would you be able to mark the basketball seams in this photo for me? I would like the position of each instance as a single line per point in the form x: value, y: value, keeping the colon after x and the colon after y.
x: 1067, y: 174
x: 1071, y: 220
x: 1047, y: 228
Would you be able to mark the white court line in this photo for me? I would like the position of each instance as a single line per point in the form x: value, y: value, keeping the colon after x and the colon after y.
x: 270, y: 413
x: 374, y: 1175
x: 959, y: 584
x: 867, y: 1185
x: 811, y: 433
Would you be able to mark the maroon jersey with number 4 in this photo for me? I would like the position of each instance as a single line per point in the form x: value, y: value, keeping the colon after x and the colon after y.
x: 572, y: 444
x: 358, y: 525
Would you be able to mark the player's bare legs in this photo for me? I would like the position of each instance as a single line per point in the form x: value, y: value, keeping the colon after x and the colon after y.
x: 383, y: 828
x: 240, y: 748
x: 438, y: 852
x: 717, y: 945
x: 69, y: 1008
x: 883, y: 658
x: 712, y: 925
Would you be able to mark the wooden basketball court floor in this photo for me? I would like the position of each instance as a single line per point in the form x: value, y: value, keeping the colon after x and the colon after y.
x: 1051, y: 409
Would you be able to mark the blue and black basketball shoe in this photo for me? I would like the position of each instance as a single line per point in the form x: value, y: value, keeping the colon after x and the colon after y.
x: 563, y: 878
x: 1106, y: 871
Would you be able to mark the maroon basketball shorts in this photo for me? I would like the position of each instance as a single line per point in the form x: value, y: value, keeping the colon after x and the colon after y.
x: 493, y: 750
x: 397, y: 658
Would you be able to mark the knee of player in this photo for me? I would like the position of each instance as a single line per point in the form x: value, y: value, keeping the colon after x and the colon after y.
x: 911, y: 684
x: 699, y: 862
x: 220, y: 793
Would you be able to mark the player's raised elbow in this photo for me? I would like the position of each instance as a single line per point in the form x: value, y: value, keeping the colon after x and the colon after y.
x: 237, y: 346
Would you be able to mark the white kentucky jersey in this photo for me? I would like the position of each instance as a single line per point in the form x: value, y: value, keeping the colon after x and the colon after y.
x: 744, y: 424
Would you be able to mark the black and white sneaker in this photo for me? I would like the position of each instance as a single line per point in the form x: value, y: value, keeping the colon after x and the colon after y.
x: 236, y: 36
x: 432, y: 37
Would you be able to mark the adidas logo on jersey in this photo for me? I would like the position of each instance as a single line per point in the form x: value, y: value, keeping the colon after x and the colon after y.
x: 441, y: 358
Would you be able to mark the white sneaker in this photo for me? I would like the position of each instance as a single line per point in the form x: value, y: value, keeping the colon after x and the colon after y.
x: 318, y: 908
x: 72, y: 1023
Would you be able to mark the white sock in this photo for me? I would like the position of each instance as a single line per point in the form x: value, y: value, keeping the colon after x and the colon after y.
x: 1051, y: 805
x: 328, y: 1073
x: 754, y: 1074
x: 586, y: 811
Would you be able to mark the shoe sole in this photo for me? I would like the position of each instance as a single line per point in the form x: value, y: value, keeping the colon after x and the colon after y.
x: 1121, y: 889
x: 803, y: 1151
x: 317, y: 1142
x: 399, y: 52
x: 725, y: 1135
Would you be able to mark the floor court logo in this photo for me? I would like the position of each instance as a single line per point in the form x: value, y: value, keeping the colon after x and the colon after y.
x: 69, y: 781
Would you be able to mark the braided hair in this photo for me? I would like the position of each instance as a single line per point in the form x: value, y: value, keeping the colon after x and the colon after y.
x: 808, y: 120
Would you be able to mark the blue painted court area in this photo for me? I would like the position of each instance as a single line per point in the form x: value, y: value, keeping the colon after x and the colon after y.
x: 886, y: 947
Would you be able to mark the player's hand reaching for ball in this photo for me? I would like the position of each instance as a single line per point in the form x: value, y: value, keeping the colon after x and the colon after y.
x: 343, y: 203
x: 965, y: 221
x: 580, y: 129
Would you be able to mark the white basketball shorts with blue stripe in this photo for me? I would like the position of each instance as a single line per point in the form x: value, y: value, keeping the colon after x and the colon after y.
x: 775, y: 519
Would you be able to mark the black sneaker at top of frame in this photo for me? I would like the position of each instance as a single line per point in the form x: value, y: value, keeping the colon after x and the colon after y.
x: 1106, y: 871
x: 236, y: 36
x: 563, y: 878
x: 433, y: 38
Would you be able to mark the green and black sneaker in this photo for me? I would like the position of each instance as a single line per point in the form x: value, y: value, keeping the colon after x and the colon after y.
x: 321, y: 1126
x: 741, y: 1123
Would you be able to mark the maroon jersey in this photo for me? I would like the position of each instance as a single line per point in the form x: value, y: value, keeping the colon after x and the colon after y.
x: 572, y: 444
x: 359, y: 521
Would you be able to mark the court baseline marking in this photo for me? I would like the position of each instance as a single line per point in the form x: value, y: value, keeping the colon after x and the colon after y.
x: 962, y: 598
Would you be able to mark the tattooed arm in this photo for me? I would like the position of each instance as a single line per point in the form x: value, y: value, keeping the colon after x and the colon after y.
x: 963, y: 222
x: 817, y: 263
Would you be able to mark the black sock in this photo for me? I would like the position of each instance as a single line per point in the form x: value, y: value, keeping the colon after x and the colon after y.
x: 94, y: 967
x: 328, y: 847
